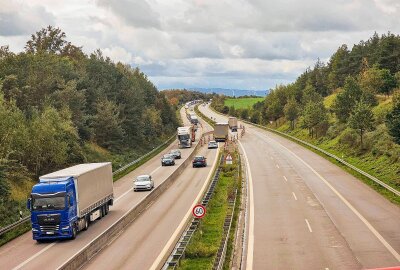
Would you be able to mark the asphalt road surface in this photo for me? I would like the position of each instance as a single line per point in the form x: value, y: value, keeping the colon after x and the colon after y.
x: 307, y: 213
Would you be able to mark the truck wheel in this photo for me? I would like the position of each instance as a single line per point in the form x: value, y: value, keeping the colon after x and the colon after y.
x: 107, y: 208
x: 73, y: 233
x: 101, y: 212
x: 86, y: 226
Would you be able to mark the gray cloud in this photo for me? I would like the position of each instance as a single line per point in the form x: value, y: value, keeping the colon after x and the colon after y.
x: 136, y: 13
x: 18, y: 19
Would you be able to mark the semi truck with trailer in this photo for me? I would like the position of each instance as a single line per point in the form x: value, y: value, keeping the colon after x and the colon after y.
x: 186, y: 135
x: 66, y: 201
x: 221, y: 131
x: 233, y: 123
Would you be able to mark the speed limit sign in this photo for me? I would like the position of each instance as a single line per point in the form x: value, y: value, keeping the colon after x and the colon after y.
x: 199, y: 211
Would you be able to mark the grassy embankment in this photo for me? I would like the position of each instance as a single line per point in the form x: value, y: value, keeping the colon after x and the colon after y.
x: 202, y: 249
x: 242, y: 103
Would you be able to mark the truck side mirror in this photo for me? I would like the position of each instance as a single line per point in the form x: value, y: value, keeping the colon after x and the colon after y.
x: 29, y: 203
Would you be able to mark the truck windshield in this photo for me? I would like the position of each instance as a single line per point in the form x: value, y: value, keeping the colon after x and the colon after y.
x: 183, y: 137
x: 53, y: 203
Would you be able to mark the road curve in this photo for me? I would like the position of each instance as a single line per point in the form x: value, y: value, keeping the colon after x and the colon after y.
x: 24, y: 253
x: 309, y: 213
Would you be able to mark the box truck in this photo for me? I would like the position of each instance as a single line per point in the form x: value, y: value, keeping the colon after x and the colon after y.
x: 66, y: 201
x: 221, y: 132
x: 186, y: 135
x: 233, y: 123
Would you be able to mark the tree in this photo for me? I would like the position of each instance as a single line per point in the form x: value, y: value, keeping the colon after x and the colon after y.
x: 4, y: 186
x: 107, y: 124
x: 338, y: 66
x: 393, y: 122
x: 346, y: 99
x: 389, y: 82
x: 291, y: 111
x: 362, y: 119
x: 314, y: 116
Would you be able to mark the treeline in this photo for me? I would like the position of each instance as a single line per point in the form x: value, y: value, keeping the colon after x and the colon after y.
x: 355, y: 93
x: 181, y: 96
x: 55, y: 101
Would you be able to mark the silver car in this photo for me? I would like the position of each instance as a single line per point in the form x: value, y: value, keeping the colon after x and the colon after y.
x: 143, y: 182
x: 212, y: 144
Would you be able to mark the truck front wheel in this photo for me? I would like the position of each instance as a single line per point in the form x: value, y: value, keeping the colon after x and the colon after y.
x: 73, y: 232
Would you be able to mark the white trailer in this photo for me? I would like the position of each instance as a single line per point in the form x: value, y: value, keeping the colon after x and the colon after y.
x: 221, y: 131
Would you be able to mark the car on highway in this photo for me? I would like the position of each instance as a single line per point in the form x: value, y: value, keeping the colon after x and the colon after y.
x: 176, y: 153
x: 168, y: 160
x: 199, y: 161
x: 143, y: 182
x: 212, y: 144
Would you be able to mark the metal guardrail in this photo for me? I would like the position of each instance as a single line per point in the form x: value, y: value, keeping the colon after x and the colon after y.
x: 221, y: 254
x: 373, y: 178
x: 27, y: 218
x: 180, y: 247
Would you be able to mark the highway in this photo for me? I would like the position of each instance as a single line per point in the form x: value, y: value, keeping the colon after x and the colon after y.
x: 24, y: 253
x: 307, y: 213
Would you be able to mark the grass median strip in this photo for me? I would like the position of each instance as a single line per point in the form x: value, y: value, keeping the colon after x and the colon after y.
x: 203, y: 247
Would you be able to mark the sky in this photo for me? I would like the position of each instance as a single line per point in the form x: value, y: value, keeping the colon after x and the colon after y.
x: 236, y: 44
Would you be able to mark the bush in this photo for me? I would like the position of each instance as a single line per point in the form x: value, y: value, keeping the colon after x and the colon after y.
x: 334, y: 130
x: 349, y: 137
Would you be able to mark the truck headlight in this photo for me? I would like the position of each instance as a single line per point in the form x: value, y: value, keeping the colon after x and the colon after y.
x: 34, y: 230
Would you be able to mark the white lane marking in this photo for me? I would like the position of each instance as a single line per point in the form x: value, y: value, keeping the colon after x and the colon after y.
x: 277, y: 166
x: 250, y: 242
x: 308, y: 225
x: 33, y: 257
x: 185, y: 218
x: 351, y: 207
x: 130, y: 189
x: 284, y: 177
x: 326, y: 268
x: 294, y: 195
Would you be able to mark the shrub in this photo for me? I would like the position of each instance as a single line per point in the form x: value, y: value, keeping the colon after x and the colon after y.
x: 349, y: 137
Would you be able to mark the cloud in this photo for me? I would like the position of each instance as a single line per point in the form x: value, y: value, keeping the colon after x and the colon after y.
x: 19, y: 18
x: 135, y: 13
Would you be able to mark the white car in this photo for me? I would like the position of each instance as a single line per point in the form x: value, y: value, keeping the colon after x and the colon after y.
x: 143, y: 182
x: 212, y: 144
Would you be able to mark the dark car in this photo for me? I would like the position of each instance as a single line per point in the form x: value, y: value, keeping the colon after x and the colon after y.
x: 199, y: 161
x: 168, y: 160
x: 176, y: 153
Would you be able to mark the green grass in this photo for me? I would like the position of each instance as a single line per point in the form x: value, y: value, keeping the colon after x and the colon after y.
x: 242, y: 103
x: 202, y: 116
x: 203, y: 246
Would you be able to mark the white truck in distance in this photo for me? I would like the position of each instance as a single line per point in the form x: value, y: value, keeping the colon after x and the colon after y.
x: 186, y: 136
x: 233, y: 123
x: 221, y: 131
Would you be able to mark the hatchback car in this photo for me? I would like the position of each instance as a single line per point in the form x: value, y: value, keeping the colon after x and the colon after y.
x: 143, y: 182
x: 168, y: 160
x: 176, y: 153
x: 212, y: 144
x: 199, y: 161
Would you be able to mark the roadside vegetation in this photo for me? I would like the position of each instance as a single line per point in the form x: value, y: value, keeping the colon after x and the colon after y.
x: 60, y: 107
x: 202, y: 249
x: 349, y: 107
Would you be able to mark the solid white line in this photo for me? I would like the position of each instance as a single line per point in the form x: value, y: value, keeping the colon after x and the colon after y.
x: 33, y: 257
x: 284, y: 177
x: 351, y: 207
x: 250, y: 243
x: 277, y: 166
x: 185, y: 218
x: 294, y: 195
x: 308, y: 224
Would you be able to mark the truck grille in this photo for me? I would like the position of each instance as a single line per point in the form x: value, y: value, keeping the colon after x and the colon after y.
x: 49, y: 228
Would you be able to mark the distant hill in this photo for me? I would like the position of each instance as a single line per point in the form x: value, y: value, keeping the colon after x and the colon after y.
x: 232, y: 92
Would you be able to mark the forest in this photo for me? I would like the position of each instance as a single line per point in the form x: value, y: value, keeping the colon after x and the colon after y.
x: 349, y: 106
x: 60, y: 107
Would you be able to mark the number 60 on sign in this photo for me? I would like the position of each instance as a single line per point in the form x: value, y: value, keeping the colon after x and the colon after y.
x: 199, y: 211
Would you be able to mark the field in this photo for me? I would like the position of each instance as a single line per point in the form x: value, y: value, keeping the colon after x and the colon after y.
x: 242, y: 103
